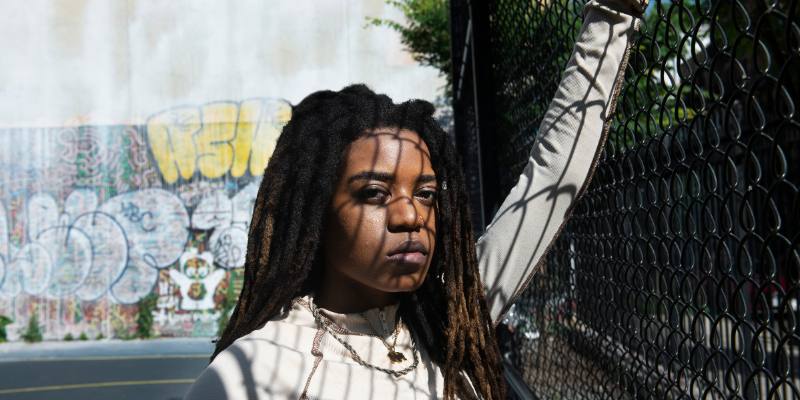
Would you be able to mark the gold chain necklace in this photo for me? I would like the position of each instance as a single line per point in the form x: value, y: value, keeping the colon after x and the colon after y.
x: 325, y: 323
x: 394, y: 355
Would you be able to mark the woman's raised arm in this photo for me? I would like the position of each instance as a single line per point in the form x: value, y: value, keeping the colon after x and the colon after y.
x: 564, y: 155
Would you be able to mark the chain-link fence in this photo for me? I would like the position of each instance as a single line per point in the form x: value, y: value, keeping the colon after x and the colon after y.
x: 678, y: 275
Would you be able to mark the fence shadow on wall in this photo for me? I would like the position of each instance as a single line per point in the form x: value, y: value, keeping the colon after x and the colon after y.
x: 678, y: 274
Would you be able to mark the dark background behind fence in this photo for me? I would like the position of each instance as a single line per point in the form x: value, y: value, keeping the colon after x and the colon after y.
x: 678, y: 274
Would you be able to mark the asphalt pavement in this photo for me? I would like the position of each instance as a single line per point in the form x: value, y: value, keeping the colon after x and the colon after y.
x: 158, y: 369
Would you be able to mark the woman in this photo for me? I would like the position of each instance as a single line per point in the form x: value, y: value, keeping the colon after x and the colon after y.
x: 362, y: 279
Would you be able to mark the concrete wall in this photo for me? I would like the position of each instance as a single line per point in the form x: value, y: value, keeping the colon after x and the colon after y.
x: 132, y: 139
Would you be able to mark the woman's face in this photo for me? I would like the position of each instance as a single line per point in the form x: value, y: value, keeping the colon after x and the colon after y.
x: 380, y: 232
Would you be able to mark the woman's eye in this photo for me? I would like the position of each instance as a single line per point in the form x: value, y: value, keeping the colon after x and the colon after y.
x: 427, y: 195
x: 373, y: 195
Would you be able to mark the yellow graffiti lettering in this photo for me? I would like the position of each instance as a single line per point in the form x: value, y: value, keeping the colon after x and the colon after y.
x: 217, y: 138
x: 267, y: 136
x: 214, y: 150
x: 169, y: 135
x: 249, y: 115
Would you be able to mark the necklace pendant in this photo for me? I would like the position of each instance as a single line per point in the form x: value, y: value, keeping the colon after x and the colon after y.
x: 396, y: 357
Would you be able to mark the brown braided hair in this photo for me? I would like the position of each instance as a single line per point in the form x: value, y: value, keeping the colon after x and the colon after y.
x: 448, y: 314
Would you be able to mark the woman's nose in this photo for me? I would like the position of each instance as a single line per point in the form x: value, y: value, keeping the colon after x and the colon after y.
x: 403, y: 215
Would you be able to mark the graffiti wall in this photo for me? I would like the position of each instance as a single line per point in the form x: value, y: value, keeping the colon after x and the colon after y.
x: 133, y: 137
x: 95, y: 218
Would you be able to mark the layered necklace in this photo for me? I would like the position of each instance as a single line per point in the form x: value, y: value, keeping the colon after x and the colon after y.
x: 394, y: 355
x: 330, y: 326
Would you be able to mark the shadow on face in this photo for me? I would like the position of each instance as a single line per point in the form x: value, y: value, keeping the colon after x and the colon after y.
x: 380, y: 230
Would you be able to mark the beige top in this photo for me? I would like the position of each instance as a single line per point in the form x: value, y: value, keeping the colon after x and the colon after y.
x: 290, y: 354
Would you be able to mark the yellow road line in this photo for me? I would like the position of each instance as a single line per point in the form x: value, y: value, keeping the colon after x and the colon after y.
x: 106, y: 358
x: 94, y: 385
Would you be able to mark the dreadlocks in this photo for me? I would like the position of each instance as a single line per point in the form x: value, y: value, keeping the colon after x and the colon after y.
x: 448, y: 313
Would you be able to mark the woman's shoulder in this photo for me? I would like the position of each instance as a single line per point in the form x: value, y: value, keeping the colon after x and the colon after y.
x: 270, y: 349
x: 289, y: 331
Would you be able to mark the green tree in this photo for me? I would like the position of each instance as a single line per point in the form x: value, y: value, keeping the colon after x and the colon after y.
x: 33, y: 332
x: 226, y: 306
x: 426, y: 32
x: 3, y: 322
x: 144, y: 316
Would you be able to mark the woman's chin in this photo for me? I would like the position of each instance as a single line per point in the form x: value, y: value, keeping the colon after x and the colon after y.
x: 404, y: 283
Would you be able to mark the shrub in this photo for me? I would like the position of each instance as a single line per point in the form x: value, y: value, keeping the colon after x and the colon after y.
x: 144, y: 316
x: 83, y: 336
x: 3, y: 322
x: 33, y: 332
x: 226, y: 307
x: 68, y: 337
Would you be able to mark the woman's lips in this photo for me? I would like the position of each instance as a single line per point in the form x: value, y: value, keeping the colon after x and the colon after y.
x: 412, y: 257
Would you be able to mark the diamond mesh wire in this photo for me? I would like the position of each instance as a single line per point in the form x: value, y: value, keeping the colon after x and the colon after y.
x: 678, y: 275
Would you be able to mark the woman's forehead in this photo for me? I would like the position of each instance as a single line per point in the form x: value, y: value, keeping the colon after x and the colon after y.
x: 389, y: 149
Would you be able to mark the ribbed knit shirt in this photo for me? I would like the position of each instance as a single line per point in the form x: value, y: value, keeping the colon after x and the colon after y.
x: 292, y: 356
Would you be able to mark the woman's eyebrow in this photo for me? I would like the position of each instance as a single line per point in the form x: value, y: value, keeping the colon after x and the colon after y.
x: 370, y: 176
x: 426, y: 178
x: 385, y: 177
